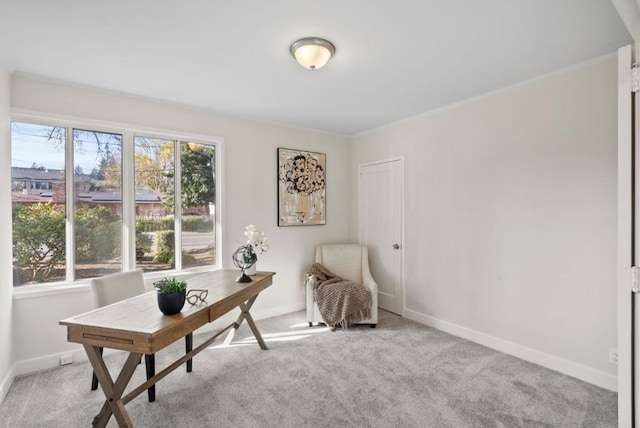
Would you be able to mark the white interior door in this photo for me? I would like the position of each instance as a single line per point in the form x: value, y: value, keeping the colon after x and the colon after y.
x: 380, y: 215
x: 628, y: 241
x: 630, y: 298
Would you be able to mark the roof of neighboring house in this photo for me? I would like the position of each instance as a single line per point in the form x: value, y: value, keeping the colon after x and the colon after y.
x: 27, y: 197
x: 19, y: 173
x: 36, y: 174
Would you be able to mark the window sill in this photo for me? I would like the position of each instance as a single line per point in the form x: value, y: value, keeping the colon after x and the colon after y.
x: 39, y: 291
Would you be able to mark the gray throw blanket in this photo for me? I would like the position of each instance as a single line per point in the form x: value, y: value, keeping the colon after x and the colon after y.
x: 341, y: 302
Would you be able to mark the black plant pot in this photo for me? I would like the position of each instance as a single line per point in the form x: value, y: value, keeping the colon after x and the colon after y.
x: 171, y: 303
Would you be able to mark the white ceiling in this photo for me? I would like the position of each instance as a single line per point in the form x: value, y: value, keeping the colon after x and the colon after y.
x: 394, y: 59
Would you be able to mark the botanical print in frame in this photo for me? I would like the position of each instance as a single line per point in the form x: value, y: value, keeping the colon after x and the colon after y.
x: 301, y: 188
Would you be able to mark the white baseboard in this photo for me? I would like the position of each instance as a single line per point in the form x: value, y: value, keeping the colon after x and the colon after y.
x: 6, y: 384
x: 280, y: 310
x: 53, y: 360
x: 570, y: 368
x: 47, y: 361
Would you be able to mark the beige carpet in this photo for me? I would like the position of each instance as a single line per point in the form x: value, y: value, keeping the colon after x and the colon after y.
x: 401, y: 374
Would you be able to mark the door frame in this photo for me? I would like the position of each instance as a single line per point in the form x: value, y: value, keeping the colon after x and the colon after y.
x: 400, y: 158
x: 627, y: 254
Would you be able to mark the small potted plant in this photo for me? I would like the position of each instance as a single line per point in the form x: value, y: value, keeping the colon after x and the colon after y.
x: 171, y: 295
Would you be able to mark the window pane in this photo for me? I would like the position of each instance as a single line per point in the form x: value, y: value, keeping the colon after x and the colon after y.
x: 38, y: 203
x: 198, y: 188
x: 155, y: 231
x: 97, y: 192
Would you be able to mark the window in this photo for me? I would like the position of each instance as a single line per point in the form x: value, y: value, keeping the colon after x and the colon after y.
x: 155, y: 211
x: 39, y: 250
x: 97, y: 203
x: 197, y: 195
x: 172, y: 188
x: 155, y: 172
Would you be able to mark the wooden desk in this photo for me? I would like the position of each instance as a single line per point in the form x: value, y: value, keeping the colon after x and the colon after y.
x: 136, y: 325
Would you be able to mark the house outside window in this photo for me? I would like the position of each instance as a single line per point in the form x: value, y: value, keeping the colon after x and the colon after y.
x: 93, y: 212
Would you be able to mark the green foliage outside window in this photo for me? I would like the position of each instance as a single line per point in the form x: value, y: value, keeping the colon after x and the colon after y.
x: 154, y: 224
x: 189, y: 224
x: 97, y: 233
x: 144, y: 242
x: 166, y: 252
x: 38, y: 239
x: 166, y: 244
x: 197, y: 178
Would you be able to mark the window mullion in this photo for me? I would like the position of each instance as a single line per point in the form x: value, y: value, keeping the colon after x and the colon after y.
x: 177, y: 182
x: 128, y: 203
x: 219, y: 202
x: 70, y: 255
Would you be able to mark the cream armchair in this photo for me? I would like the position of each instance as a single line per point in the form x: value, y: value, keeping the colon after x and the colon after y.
x: 349, y: 261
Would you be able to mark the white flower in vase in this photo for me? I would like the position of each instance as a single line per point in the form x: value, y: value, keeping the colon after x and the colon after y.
x: 256, y: 241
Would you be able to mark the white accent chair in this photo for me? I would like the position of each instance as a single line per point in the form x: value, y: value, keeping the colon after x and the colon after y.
x: 348, y: 261
x: 119, y: 286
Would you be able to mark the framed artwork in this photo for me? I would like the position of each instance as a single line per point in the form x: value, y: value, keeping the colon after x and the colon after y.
x: 301, y: 188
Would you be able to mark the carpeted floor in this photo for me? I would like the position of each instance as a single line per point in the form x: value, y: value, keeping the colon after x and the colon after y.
x: 401, y: 374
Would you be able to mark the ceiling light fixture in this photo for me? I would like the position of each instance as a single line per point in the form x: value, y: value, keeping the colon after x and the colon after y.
x: 312, y: 52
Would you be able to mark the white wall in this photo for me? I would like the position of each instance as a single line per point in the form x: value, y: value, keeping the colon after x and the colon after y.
x: 250, y: 194
x: 6, y: 350
x: 511, y: 218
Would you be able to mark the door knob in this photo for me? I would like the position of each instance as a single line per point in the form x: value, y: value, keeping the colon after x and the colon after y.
x: 396, y: 246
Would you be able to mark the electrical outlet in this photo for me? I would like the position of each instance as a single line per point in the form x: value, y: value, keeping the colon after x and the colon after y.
x: 613, y: 355
x: 66, y: 359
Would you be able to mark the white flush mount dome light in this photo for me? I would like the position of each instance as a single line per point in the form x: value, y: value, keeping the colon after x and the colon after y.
x: 312, y: 52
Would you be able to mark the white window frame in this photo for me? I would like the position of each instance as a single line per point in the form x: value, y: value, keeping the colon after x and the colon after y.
x: 128, y: 132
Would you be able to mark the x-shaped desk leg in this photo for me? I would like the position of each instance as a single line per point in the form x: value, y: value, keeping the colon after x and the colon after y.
x: 244, y: 314
x: 112, y: 391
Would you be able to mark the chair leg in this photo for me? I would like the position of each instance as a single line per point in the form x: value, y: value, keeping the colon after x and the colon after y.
x: 94, y: 379
x: 150, y: 365
x: 188, y: 342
